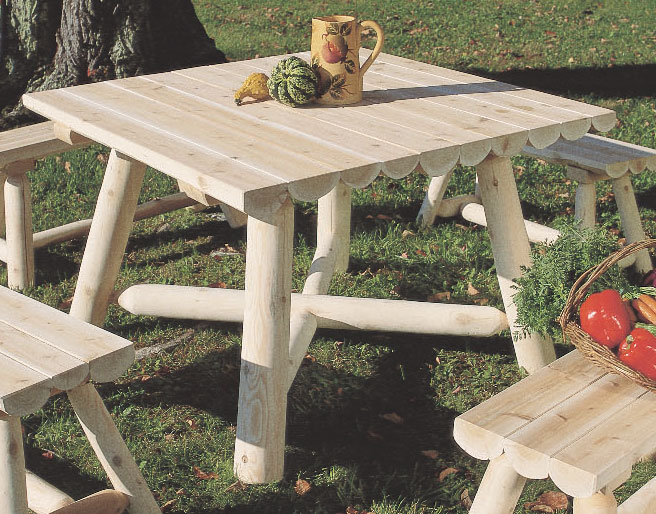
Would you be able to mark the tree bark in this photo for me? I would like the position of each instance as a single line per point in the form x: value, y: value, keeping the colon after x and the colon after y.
x: 57, y: 43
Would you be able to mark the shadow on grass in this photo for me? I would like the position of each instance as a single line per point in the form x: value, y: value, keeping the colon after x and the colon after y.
x: 376, y: 425
x: 625, y: 81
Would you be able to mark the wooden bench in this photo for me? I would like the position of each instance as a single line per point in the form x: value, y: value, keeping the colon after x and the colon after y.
x: 42, y: 352
x: 570, y: 421
x: 589, y: 160
x: 19, y: 149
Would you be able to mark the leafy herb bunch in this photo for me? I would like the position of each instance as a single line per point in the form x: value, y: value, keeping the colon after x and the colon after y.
x: 543, y: 288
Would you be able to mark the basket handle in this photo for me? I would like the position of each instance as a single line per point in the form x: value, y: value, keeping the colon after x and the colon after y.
x: 585, y: 281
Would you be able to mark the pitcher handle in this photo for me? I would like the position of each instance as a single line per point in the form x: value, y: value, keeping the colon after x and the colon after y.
x: 380, y: 39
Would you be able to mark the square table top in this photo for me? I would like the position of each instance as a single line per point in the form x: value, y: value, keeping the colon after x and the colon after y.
x: 186, y: 124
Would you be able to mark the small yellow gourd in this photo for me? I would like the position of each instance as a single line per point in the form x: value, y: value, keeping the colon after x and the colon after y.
x: 255, y: 86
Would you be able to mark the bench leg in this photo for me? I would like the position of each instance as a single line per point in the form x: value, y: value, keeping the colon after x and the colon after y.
x: 511, y: 250
x: 108, y: 237
x: 13, y: 489
x: 599, y: 503
x: 500, y: 488
x: 431, y: 204
x: 18, y: 222
x: 261, y: 418
x: 630, y: 219
x: 111, y: 450
x: 585, y: 204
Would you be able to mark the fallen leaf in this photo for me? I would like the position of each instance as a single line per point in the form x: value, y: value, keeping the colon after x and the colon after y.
x: 438, y: 297
x: 67, y: 166
x: 374, y: 435
x: 406, y: 234
x: 167, y: 506
x: 431, y: 454
x: 180, y: 492
x: 446, y: 472
x: 48, y: 455
x: 549, y: 33
x: 404, y: 255
x: 554, y: 499
x: 224, y: 251
x: 383, y: 217
x: 393, y: 417
x: 421, y: 252
x: 456, y: 390
x: 471, y: 290
x: 302, y: 487
x: 465, y: 500
x: 236, y: 486
x: 192, y: 424
x: 169, y: 437
x: 218, y: 285
x: 199, y: 473
x: 102, y: 158
x: 351, y: 510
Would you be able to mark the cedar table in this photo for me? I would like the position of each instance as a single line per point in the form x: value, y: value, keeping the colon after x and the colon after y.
x: 256, y: 157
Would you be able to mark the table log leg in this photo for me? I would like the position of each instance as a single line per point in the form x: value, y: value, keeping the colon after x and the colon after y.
x: 20, y: 248
x: 3, y: 179
x: 331, y: 255
x: 630, y: 219
x: 432, y: 200
x: 260, y: 444
x: 511, y: 251
x: 13, y: 489
x: 108, y: 238
x: 500, y: 488
x: 599, y: 503
x: 113, y: 454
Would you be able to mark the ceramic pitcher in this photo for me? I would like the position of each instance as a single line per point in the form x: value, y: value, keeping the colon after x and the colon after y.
x: 335, y: 57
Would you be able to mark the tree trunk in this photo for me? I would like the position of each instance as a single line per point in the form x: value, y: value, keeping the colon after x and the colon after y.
x: 55, y: 43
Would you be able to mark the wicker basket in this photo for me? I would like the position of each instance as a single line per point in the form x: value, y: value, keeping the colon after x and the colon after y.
x: 597, y: 353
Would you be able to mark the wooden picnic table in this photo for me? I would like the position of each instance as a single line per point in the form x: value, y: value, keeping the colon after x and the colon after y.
x: 258, y: 156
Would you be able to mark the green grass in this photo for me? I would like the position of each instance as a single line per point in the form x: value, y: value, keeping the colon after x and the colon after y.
x: 370, y: 415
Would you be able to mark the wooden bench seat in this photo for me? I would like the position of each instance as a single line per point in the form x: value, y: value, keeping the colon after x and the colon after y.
x: 610, y: 158
x: 19, y: 149
x: 44, y: 351
x: 572, y: 422
x: 589, y: 160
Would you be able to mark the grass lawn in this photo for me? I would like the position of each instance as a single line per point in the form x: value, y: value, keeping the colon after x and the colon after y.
x: 370, y: 415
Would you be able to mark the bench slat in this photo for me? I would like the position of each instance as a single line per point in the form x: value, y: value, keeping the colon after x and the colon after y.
x: 65, y: 370
x: 31, y: 142
x: 22, y: 390
x: 108, y: 355
x: 594, y: 460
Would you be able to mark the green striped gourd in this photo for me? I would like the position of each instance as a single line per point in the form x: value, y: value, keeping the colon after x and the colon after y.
x: 292, y: 82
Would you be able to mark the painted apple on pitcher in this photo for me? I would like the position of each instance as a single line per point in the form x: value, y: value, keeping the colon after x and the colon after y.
x: 334, y: 49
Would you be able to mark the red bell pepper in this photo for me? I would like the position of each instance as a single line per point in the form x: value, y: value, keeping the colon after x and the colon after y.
x: 638, y: 351
x: 605, y: 318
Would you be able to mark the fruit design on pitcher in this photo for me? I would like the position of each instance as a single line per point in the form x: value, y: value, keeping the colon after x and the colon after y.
x: 334, y: 50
